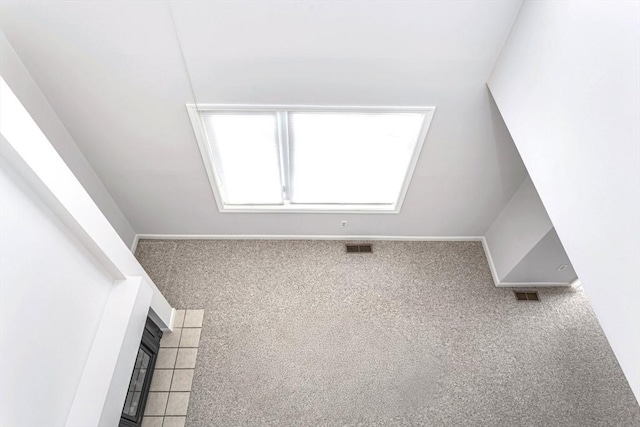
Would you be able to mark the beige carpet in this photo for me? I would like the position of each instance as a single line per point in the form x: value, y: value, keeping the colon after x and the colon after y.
x: 301, y: 333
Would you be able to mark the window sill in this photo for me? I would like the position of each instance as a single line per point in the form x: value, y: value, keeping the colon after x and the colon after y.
x: 288, y: 208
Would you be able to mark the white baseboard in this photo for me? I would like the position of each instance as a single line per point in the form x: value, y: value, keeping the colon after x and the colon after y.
x: 134, y: 245
x: 306, y: 237
x: 500, y: 284
x: 487, y: 252
x: 532, y: 285
x: 576, y: 284
x: 492, y: 267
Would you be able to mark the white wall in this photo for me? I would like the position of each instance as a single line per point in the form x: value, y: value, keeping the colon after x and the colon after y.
x: 52, y: 295
x: 71, y: 291
x: 27, y: 146
x: 102, y: 390
x: 122, y: 96
x: 517, y: 229
x: 542, y: 262
x: 20, y: 81
x: 567, y: 86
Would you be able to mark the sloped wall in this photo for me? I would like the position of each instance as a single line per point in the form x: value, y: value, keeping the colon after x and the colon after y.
x: 566, y: 84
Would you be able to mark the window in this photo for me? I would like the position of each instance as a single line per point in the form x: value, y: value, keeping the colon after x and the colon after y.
x: 263, y: 158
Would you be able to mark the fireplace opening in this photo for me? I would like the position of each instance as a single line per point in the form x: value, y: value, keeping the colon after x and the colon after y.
x: 140, y: 382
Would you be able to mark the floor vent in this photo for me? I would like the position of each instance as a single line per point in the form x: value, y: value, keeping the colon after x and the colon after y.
x: 526, y: 296
x: 362, y: 248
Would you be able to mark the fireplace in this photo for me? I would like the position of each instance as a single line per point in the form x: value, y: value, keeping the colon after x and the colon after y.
x: 138, y: 390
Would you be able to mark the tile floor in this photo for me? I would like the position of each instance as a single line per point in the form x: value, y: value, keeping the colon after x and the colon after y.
x: 173, y: 375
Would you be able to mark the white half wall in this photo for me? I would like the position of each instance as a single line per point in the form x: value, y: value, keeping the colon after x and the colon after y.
x: 18, y: 78
x: 519, y: 227
x: 52, y: 295
x: 546, y: 262
x: 567, y: 86
x: 102, y: 390
x: 69, y: 287
x: 28, y: 148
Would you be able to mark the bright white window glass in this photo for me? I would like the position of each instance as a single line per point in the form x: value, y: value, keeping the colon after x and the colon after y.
x: 245, y: 149
x: 350, y: 158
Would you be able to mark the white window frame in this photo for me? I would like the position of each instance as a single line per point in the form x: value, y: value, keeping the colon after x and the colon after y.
x: 282, y: 111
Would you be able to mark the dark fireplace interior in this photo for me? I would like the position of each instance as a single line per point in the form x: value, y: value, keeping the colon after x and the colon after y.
x: 138, y: 390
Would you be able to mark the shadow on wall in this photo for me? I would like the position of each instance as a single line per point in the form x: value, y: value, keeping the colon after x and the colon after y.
x: 508, y: 160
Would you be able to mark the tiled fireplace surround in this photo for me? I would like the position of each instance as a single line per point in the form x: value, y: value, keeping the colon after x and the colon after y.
x: 173, y: 375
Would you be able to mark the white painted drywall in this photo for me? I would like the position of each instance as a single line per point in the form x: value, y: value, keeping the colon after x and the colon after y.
x: 541, y: 264
x: 567, y: 86
x: 59, y: 258
x: 121, y: 90
x: 52, y: 295
x: 517, y: 229
x: 20, y: 81
x: 24, y: 143
x: 105, y: 380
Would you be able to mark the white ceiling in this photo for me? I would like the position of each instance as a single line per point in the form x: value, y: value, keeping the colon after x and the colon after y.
x: 115, y: 75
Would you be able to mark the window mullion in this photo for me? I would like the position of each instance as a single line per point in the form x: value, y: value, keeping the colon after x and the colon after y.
x: 285, y: 163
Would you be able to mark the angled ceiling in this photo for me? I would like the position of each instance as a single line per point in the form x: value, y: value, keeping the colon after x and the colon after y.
x: 119, y: 74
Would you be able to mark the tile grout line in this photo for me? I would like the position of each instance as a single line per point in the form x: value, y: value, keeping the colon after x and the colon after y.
x: 175, y: 401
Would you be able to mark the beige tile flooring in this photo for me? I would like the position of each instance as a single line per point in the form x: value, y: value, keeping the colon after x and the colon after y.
x: 173, y: 375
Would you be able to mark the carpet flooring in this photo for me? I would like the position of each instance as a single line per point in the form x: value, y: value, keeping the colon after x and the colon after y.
x: 300, y: 333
